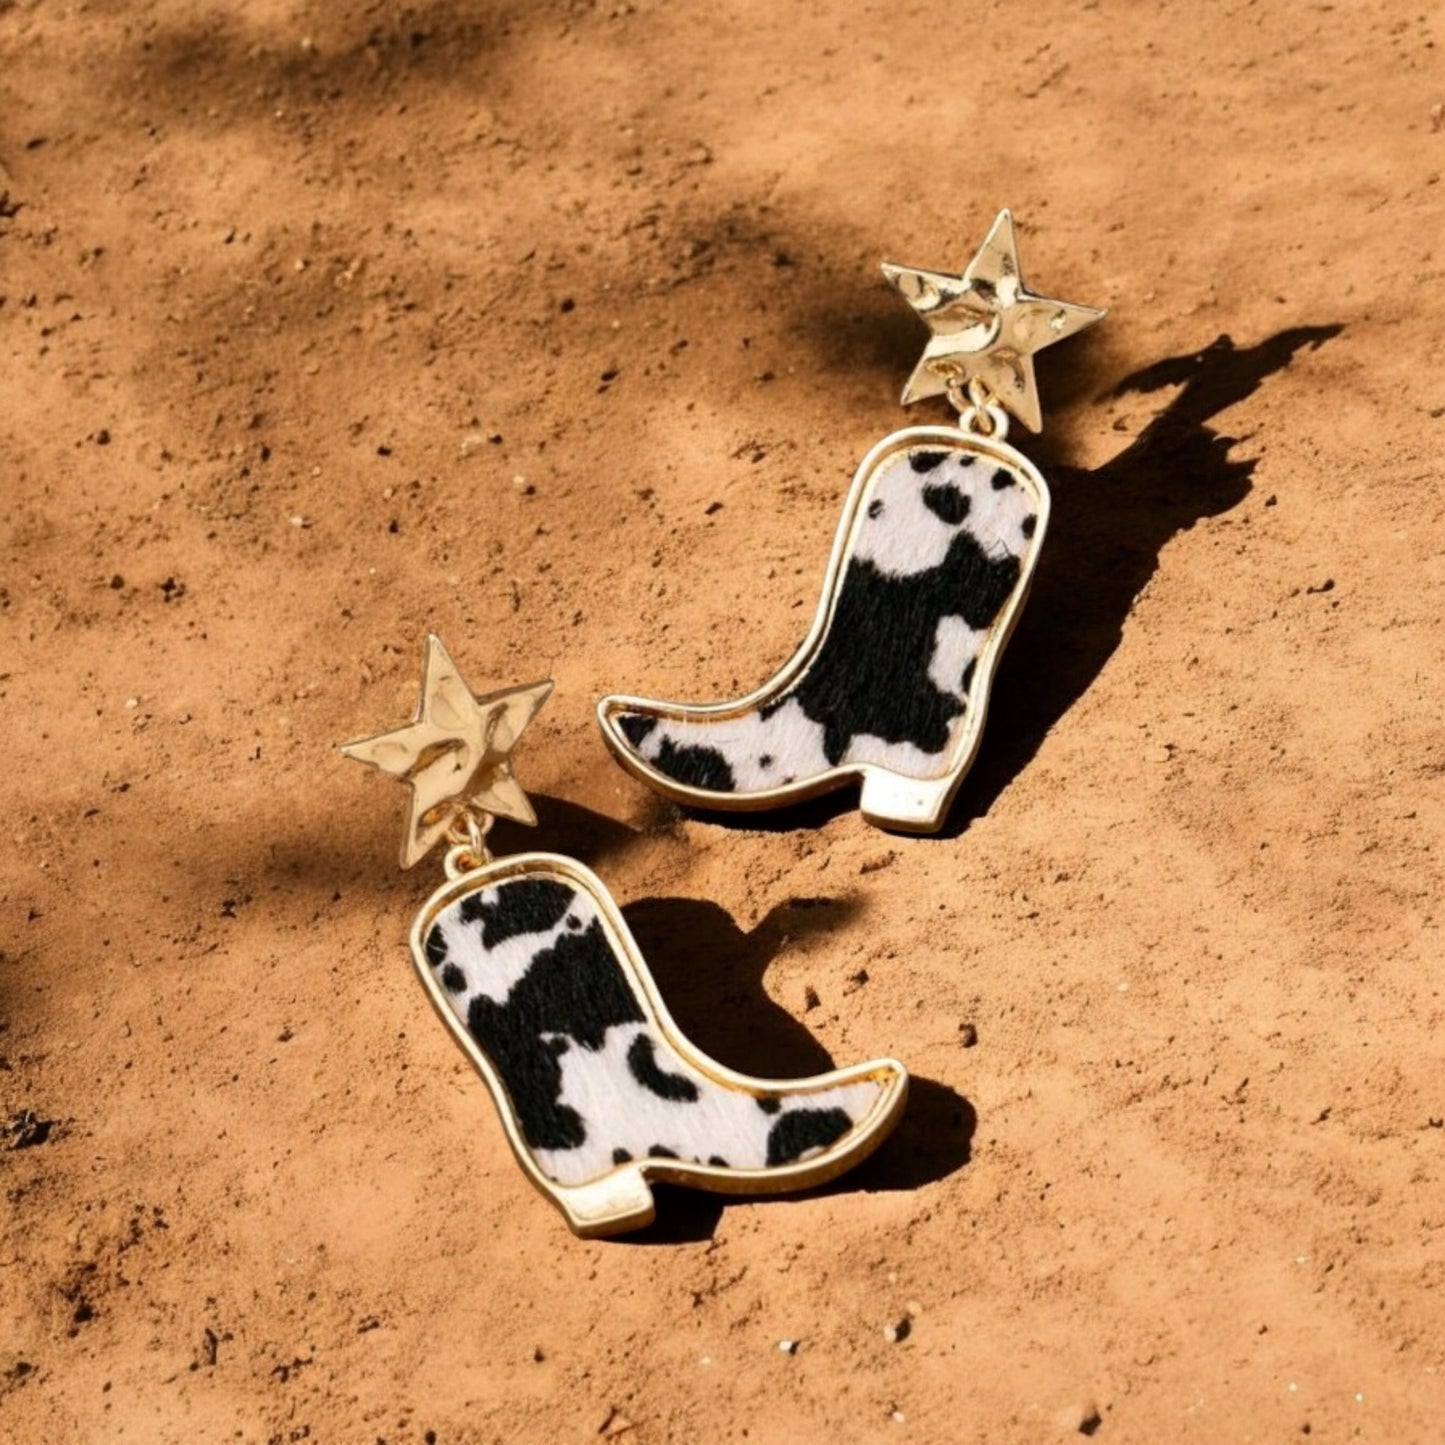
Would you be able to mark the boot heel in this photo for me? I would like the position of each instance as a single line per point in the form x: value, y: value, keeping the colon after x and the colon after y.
x: 613, y: 1204
x: 912, y: 805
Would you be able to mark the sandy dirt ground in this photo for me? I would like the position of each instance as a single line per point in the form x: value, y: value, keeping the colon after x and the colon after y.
x: 557, y: 328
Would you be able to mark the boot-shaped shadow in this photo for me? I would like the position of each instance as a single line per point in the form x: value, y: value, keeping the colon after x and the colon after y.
x: 710, y: 972
x: 1109, y: 527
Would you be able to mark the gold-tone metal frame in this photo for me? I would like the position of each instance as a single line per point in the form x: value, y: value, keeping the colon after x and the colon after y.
x: 887, y: 799
x: 621, y: 1199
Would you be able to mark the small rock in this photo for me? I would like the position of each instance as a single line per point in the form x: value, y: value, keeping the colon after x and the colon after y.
x: 810, y: 998
x: 26, y: 1129
x: 1159, y: 753
x: 913, y: 1308
x: 473, y: 442
x: 898, y: 1331
x: 1328, y: 585
x: 1081, y: 1418
x: 967, y: 1035
x: 788, y: 1347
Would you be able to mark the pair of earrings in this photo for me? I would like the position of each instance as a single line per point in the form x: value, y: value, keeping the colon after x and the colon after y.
x: 528, y: 960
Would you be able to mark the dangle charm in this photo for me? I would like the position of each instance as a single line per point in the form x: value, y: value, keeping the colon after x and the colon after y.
x: 940, y: 534
x: 530, y: 964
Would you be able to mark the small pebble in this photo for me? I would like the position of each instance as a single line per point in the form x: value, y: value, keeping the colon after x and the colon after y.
x: 132, y: 703
x: 1082, y: 1417
x: 967, y: 1035
x: 898, y: 1417
x: 788, y: 1347
x: 898, y: 1331
x: 914, y: 1309
x: 1159, y: 753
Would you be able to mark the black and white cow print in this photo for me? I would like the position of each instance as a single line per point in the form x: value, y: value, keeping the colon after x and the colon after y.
x: 529, y: 969
x: 941, y: 548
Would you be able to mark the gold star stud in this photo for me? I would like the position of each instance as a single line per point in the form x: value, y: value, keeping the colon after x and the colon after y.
x: 456, y: 755
x: 986, y: 326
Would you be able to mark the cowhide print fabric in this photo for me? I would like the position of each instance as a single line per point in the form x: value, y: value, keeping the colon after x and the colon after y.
x: 941, y: 547
x: 529, y: 969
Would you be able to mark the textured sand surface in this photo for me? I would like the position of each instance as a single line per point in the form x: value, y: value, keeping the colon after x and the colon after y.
x: 558, y: 329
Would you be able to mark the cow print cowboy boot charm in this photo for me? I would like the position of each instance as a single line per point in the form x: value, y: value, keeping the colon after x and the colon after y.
x: 932, y: 562
x: 532, y: 967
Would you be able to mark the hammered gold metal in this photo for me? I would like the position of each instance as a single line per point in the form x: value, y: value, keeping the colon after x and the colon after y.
x: 986, y: 326
x: 455, y: 754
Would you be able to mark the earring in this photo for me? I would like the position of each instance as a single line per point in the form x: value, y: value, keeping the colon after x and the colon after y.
x: 530, y: 964
x: 932, y: 562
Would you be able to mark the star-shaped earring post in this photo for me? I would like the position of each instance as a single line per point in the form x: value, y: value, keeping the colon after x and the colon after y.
x: 456, y: 753
x: 986, y: 326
